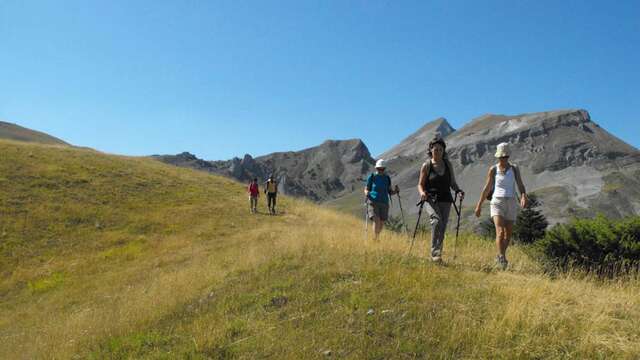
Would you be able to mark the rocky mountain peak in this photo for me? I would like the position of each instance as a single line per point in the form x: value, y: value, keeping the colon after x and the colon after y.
x: 248, y: 161
x: 550, y: 140
x: 489, y: 124
x: 415, y: 144
x: 442, y: 127
x: 187, y: 156
x: 359, y: 151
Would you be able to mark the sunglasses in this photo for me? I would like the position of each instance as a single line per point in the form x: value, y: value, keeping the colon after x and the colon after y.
x: 503, y: 157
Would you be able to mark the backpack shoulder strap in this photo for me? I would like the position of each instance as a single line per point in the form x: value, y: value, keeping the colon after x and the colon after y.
x: 519, y: 183
x: 428, y: 166
x: 447, y: 166
x: 370, y: 181
x: 493, y: 170
x: 452, y: 176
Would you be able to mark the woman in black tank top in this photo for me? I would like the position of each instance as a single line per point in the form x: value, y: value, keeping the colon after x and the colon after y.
x: 440, y: 183
x: 435, y: 184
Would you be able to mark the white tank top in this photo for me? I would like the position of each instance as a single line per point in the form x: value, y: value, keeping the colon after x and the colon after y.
x: 505, y: 184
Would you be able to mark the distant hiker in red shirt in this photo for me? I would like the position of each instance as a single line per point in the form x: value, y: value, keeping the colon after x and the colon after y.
x: 254, y: 194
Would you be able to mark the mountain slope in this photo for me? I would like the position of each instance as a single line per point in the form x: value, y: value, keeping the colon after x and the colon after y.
x: 319, y: 173
x: 114, y: 257
x: 416, y: 143
x: 576, y: 167
x: 15, y: 132
x: 565, y: 157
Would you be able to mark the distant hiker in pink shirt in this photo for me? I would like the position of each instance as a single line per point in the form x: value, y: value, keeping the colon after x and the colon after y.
x: 254, y: 194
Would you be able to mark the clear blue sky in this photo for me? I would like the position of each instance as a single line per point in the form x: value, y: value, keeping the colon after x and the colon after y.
x: 224, y: 78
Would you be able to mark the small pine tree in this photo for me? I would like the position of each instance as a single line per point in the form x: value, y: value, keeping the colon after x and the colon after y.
x: 394, y: 223
x: 531, y: 224
x: 486, y: 229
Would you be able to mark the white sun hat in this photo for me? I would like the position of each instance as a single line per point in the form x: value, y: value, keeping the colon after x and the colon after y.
x: 380, y: 164
x: 502, y: 150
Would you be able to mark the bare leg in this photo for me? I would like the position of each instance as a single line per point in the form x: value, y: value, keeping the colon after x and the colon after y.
x: 508, y: 226
x: 378, y: 225
x: 501, y: 234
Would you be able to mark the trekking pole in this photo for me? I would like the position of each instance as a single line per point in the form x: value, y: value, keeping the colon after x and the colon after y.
x: 458, y: 210
x: 404, y: 223
x: 366, y: 218
x: 415, y: 231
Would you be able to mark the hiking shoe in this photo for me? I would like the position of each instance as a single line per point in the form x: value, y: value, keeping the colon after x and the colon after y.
x: 501, y: 262
x: 436, y: 259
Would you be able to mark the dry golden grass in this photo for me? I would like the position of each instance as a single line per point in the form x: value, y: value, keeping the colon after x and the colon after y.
x: 178, y: 268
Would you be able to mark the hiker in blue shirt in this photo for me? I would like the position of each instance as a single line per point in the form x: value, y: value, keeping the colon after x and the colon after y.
x: 377, y: 193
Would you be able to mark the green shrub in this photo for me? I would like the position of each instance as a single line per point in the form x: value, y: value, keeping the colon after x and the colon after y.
x: 531, y: 224
x: 394, y: 223
x: 486, y: 229
x: 600, y: 245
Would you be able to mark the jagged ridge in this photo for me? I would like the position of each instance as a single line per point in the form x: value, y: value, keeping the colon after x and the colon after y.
x: 319, y: 173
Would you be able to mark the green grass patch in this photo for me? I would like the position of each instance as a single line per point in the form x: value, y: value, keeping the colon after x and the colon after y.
x: 135, y: 346
x: 46, y: 283
x: 128, y: 251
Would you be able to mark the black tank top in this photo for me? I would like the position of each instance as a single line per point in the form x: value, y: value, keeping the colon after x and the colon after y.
x: 440, y: 184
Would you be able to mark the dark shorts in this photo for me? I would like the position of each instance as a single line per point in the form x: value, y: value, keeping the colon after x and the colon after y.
x: 381, y: 210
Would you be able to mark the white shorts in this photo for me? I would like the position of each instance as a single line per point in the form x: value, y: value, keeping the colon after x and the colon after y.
x: 507, y: 207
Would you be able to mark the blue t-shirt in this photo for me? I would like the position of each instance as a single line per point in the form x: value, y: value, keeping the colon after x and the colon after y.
x: 379, y: 186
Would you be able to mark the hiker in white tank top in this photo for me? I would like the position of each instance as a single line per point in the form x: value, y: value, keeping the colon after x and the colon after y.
x: 500, y: 188
x: 505, y: 183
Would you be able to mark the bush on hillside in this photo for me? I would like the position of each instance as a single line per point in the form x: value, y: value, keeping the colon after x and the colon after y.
x: 531, y: 224
x: 394, y: 223
x: 486, y: 229
x: 599, y: 245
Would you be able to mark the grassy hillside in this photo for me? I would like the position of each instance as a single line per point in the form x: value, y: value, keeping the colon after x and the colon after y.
x: 15, y: 132
x: 114, y: 257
